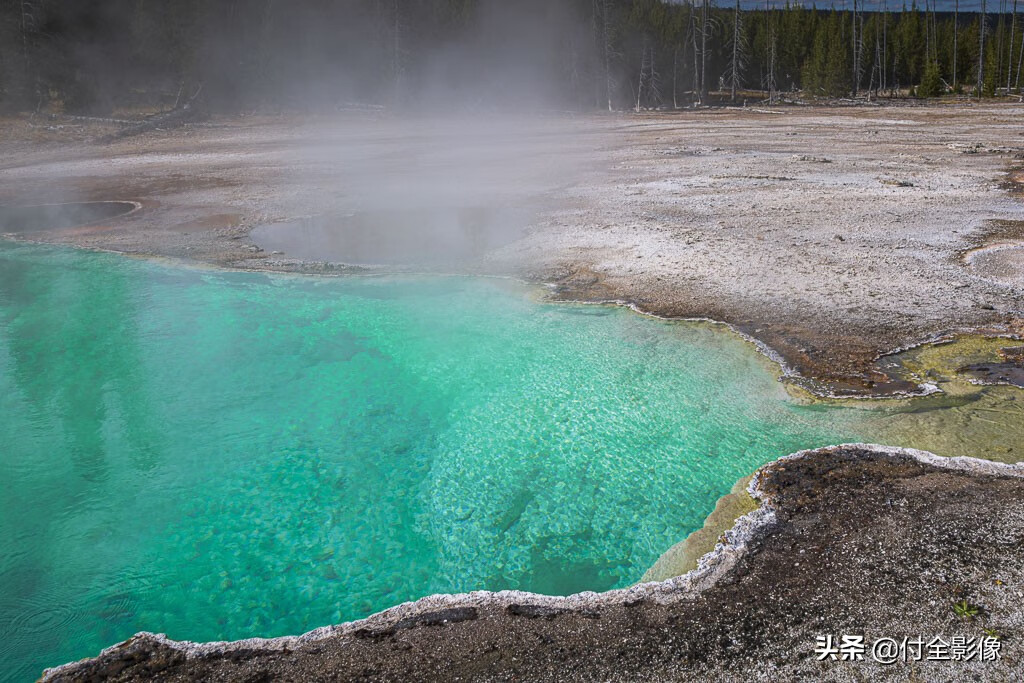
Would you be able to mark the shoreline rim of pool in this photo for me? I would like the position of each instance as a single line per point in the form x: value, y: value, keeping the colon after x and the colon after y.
x: 711, y: 567
x: 806, y: 386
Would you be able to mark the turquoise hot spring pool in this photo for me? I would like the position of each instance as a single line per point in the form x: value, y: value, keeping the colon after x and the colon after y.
x: 218, y: 455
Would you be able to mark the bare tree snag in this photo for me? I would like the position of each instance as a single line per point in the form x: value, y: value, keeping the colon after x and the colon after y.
x: 982, y: 21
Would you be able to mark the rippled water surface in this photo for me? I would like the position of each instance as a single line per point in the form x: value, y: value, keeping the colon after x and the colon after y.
x: 220, y: 455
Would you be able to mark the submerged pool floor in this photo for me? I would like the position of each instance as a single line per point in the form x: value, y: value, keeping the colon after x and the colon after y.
x: 218, y: 455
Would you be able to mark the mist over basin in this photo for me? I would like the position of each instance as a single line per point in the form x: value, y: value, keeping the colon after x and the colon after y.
x: 27, y: 220
x: 422, y: 237
x: 218, y: 455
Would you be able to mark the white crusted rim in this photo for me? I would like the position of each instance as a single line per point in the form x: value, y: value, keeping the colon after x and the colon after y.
x: 809, y: 384
x: 709, y: 569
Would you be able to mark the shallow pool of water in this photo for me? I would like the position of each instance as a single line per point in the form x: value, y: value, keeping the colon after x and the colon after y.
x: 218, y: 455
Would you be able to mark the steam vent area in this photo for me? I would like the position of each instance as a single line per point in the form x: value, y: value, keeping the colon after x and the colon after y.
x: 422, y: 237
x: 486, y: 341
x: 25, y: 221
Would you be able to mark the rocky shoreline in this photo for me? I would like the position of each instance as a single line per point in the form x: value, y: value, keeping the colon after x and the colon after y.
x: 853, y: 539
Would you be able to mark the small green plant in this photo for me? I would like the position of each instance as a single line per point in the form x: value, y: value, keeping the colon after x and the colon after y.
x: 992, y: 633
x: 966, y: 610
x: 931, y: 82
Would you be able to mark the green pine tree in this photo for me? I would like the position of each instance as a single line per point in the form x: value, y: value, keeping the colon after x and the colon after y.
x: 931, y: 82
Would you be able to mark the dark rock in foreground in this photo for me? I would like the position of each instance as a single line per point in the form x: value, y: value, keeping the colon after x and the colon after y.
x: 850, y: 540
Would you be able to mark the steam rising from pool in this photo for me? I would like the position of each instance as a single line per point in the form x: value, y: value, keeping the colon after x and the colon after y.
x: 425, y: 237
x: 218, y: 455
x: 26, y: 220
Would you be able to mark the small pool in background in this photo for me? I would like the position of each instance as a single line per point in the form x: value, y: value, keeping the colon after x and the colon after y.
x: 218, y: 455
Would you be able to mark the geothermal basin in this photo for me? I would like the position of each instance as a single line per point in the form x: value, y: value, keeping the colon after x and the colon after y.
x: 253, y: 454
x: 205, y: 447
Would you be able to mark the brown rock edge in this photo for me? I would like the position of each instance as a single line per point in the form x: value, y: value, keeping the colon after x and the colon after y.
x: 848, y: 540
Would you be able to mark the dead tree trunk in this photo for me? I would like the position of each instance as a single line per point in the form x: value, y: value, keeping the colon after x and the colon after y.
x: 1020, y: 61
x: 704, y: 52
x: 643, y: 71
x: 179, y: 116
x: 999, y: 42
x: 770, y: 48
x: 927, y: 35
x: 981, y: 48
x: 648, y: 82
x: 734, y: 67
x: 856, y: 52
x: 675, y: 74
x: 1009, y: 56
x: 27, y: 27
x: 885, y: 43
x: 602, y: 10
x: 956, y: 33
x: 878, y: 86
x: 696, y: 52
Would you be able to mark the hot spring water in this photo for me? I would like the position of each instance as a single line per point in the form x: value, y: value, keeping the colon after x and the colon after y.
x: 218, y: 455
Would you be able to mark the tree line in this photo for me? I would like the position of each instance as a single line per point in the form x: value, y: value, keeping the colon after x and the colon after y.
x: 98, y: 56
